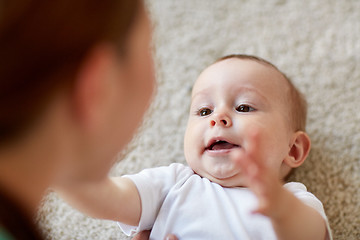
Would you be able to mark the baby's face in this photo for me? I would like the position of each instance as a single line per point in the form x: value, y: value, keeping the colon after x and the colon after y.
x: 231, y: 99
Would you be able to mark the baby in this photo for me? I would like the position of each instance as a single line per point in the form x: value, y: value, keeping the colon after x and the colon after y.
x: 246, y: 132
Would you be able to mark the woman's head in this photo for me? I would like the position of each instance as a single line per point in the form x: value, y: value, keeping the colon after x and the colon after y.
x: 43, y: 44
x: 85, y: 62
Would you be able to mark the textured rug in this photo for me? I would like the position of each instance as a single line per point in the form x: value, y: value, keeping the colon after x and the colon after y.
x: 316, y: 42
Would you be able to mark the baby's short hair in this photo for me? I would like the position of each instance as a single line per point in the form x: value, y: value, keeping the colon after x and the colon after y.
x: 297, y: 101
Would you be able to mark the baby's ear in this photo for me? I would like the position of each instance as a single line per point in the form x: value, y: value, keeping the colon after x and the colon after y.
x: 299, y: 149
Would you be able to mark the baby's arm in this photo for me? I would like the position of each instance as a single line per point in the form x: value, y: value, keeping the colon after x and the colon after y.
x: 112, y: 198
x: 291, y: 218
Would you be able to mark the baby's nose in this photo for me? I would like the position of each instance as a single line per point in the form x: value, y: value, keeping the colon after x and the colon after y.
x: 221, y: 120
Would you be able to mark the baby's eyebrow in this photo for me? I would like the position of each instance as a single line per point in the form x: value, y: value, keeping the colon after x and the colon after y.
x: 250, y: 90
x: 241, y: 89
x: 244, y: 90
x: 204, y: 92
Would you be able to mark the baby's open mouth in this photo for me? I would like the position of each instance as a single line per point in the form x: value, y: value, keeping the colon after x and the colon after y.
x: 221, y: 145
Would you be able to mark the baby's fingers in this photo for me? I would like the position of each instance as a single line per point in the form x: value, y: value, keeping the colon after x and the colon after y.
x: 249, y: 169
x: 248, y: 157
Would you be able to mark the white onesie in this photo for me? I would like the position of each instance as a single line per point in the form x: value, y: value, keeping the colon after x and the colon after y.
x: 176, y: 200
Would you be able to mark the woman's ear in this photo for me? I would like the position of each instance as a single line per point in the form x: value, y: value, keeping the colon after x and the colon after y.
x: 93, y: 86
x: 299, y: 149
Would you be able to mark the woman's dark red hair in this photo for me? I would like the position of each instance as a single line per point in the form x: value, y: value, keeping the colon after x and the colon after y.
x: 42, y: 44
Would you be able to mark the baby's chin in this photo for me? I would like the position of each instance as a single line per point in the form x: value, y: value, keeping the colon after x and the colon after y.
x: 231, y: 180
x: 220, y: 171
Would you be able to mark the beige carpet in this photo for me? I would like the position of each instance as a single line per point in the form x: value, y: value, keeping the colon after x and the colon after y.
x: 316, y: 42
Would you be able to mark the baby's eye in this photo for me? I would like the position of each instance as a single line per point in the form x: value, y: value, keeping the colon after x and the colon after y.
x: 245, y: 108
x: 205, y: 112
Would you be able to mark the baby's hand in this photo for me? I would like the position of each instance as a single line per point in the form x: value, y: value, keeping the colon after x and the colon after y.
x: 262, y: 180
x: 144, y: 235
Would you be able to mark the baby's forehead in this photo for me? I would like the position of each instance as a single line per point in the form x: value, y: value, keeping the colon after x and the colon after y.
x: 241, y: 72
x: 237, y: 76
x: 255, y: 65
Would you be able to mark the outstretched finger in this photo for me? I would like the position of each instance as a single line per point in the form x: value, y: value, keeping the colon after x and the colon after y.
x: 143, y: 235
x: 248, y: 157
x: 171, y: 237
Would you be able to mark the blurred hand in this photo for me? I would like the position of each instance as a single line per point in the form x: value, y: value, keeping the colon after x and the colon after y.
x: 261, y: 179
x: 144, y: 235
